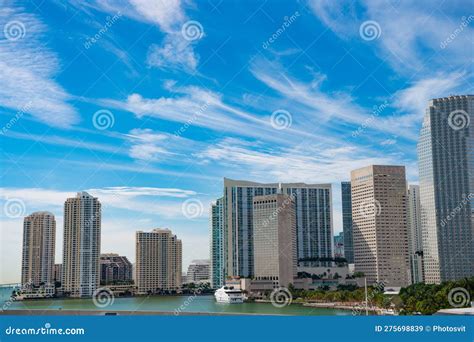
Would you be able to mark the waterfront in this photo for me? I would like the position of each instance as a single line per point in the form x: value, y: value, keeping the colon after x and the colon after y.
x: 170, y: 304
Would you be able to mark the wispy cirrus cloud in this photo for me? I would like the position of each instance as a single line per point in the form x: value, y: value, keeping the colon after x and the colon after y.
x: 411, y: 36
x: 306, y: 163
x: 174, y: 52
x: 138, y: 199
x: 28, y: 69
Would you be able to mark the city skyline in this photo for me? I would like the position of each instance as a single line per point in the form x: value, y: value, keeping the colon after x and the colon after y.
x: 123, y: 102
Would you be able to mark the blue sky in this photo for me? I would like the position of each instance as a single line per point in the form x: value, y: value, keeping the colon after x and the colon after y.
x: 149, y: 104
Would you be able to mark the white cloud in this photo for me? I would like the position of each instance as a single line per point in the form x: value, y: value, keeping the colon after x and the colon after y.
x: 165, y: 13
x: 411, y: 36
x: 194, y: 106
x: 138, y: 199
x: 317, y: 163
x: 174, y: 53
x: 27, y: 73
x: 414, y: 99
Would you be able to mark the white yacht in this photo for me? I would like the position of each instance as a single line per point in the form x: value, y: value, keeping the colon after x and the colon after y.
x: 228, y: 294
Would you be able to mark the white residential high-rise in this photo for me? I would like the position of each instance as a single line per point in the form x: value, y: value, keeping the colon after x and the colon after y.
x: 446, y: 167
x: 81, y: 252
x: 314, y: 223
x: 199, y: 271
x: 158, y: 261
x: 39, y: 236
x: 274, y: 239
x: 415, y: 238
x: 379, y: 216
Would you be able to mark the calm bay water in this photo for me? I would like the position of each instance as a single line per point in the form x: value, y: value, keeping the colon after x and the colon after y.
x: 168, y: 304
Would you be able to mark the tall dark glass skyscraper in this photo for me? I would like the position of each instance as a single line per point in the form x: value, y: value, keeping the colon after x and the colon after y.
x: 314, y: 224
x: 217, y: 244
x: 446, y: 163
x: 347, y: 221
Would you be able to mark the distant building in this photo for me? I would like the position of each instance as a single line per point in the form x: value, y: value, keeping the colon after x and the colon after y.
x: 57, y: 272
x: 217, y: 244
x: 446, y: 169
x: 415, y: 237
x: 347, y: 221
x: 199, y: 271
x: 274, y: 239
x: 39, y: 236
x: 339, y: 245
x: 379, y: 214
x: 313, y: 209
x: 81, y: 245
x: 115, y: 269
x: 158, y: 261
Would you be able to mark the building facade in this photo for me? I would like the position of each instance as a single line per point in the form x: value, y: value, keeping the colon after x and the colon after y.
x: 57, y: 272
x: 415, y: 237
x: 81, y: 245
x: 379, y: 214
x: 115, y: 269
x: 39, y: 240
x: 446, y: 168
x: 339, y: 245
x: 158, y: 261
x: 347, y: 221
x: 314, y: 223
x: 199, y: 271
x: 274, y: 237
x: 217, y: 244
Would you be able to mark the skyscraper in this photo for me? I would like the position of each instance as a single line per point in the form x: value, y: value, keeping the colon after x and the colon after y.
x: 274, y: 236
x: 314, y: 222
x: 217, y: 244
x: 198, y: 271
x: 379, y: 214
x: 414, y: 235
x: 347, y: 221
x: 39, y: 236
x: 238, y: 224
x: 115, y: 269
x: 314, y: 225
x: 446, y: 167
x: 82, y: 226
x: 158, y: 261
